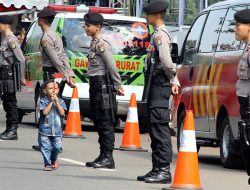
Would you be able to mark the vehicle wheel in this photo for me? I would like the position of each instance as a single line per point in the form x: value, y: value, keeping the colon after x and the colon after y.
x: 180, y: 125
x: 20, y: 115
x: 37, y: 109
x: 228, y: 159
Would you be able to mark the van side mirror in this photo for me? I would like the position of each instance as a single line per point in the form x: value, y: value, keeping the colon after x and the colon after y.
x: 174, y: 52
x: 189, y: 56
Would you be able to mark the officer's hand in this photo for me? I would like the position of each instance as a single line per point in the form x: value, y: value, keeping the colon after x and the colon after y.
x: 120, y: 91
x: 71, y: 82
x: 175, y: 89
x: 23, y: 82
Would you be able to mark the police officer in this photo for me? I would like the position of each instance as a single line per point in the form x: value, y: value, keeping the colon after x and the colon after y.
x: 10, y: 56
x: 101, y: 69
x: 54, y: 58
x: 164, y: 83
x: 242, y: 32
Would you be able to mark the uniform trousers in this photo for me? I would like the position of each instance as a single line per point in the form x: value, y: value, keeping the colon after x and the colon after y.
x: 245, y: 150
x: 101, y: 110
x: 159, y: 125
x: 10, y: 107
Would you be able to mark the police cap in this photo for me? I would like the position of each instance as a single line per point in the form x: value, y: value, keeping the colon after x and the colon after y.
x: 242, y: 16
x: 93, y: 18
x: 46, y: 12
x: 155, y: 7
x: 5, y: 19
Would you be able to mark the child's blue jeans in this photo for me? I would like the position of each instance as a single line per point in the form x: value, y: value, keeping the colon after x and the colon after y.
x: 50, y: 148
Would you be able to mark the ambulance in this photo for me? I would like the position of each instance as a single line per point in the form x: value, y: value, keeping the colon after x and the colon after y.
x: 207, y: 74
x: 128, y: 36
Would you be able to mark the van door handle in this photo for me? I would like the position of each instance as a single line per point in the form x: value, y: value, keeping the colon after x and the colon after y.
x: 191, y: 73
x: 208, y: 72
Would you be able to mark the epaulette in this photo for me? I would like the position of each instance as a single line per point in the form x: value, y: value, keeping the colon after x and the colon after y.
x: 11, y: 43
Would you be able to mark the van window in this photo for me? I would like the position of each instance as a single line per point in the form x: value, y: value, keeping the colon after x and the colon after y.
x: 227, y: 41
x: 27, y: 41
x: 125, y: 37
x: 34, y: 37
x: 192, y: 40
x: 211, y: 30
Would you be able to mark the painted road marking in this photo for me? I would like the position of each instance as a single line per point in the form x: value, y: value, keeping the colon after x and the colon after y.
x: 72, y: 161
x: 83, y: 164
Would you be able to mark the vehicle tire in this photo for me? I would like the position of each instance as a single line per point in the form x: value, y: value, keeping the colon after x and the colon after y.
x: 37, y: 109
x: 228, y: 159
x: 180, y: 125
x: 20, y: 115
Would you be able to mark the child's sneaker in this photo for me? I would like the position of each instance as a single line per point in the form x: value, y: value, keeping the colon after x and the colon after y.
x: 47, y: 168
x: 55, y: 165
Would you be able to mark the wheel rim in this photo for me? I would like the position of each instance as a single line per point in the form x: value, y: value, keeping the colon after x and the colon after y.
x: 37, y: 109
x: 226, y: 141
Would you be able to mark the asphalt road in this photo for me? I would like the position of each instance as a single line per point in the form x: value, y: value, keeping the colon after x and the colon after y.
x: 22, y: 168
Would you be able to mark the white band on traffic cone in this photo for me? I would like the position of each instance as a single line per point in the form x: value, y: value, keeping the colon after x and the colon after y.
x: 74, y: 105
x: 132, y: 116
x: 188, y: 141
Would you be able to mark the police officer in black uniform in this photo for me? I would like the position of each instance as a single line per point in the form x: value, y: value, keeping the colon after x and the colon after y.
x: 104, y: 81
x: 242, y: 32
x: 164, y: 83
x: 54, y: 58
x: 12, y: 64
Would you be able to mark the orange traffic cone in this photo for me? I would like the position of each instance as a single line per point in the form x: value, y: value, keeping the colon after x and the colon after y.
x: 131, y: 135
x: 187, y: 169
x: 73, y: 125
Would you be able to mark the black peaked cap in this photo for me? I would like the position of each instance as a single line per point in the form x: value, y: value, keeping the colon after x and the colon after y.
x: 5, y: 19
x: 242, y: 16
x: 46, y: 12
x: 93, y: 18
x: 155, y: 7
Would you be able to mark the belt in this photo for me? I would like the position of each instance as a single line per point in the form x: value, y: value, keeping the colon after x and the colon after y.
x: 50, y: 69
x: 98, y: 78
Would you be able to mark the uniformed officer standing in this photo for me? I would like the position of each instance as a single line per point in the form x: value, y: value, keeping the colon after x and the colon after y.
x: 242, y: 32
x: 102, y: 66
x: 10, y: 56
x: 54, y: 58
x: 164, y: 83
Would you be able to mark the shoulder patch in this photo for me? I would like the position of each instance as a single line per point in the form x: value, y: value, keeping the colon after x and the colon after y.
x: 44, y: 43
x: 101, y: 47
x: 13, y: 45
x: 158, y: 40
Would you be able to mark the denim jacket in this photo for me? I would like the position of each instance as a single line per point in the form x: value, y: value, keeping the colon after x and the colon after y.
x: 50, y: 125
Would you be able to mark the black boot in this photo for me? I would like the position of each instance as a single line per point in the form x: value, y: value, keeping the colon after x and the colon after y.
x: 91, y: 164
x: 149, y: 174
x: 162, y: 176
x: 106, y: 162
x: 10, y: 134
x: 4, y: 133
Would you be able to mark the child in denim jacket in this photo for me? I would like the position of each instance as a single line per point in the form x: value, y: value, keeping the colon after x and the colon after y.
x: 52, y: 109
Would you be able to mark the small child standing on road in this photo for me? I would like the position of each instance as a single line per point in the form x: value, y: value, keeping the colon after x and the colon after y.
x: 52, y: 109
